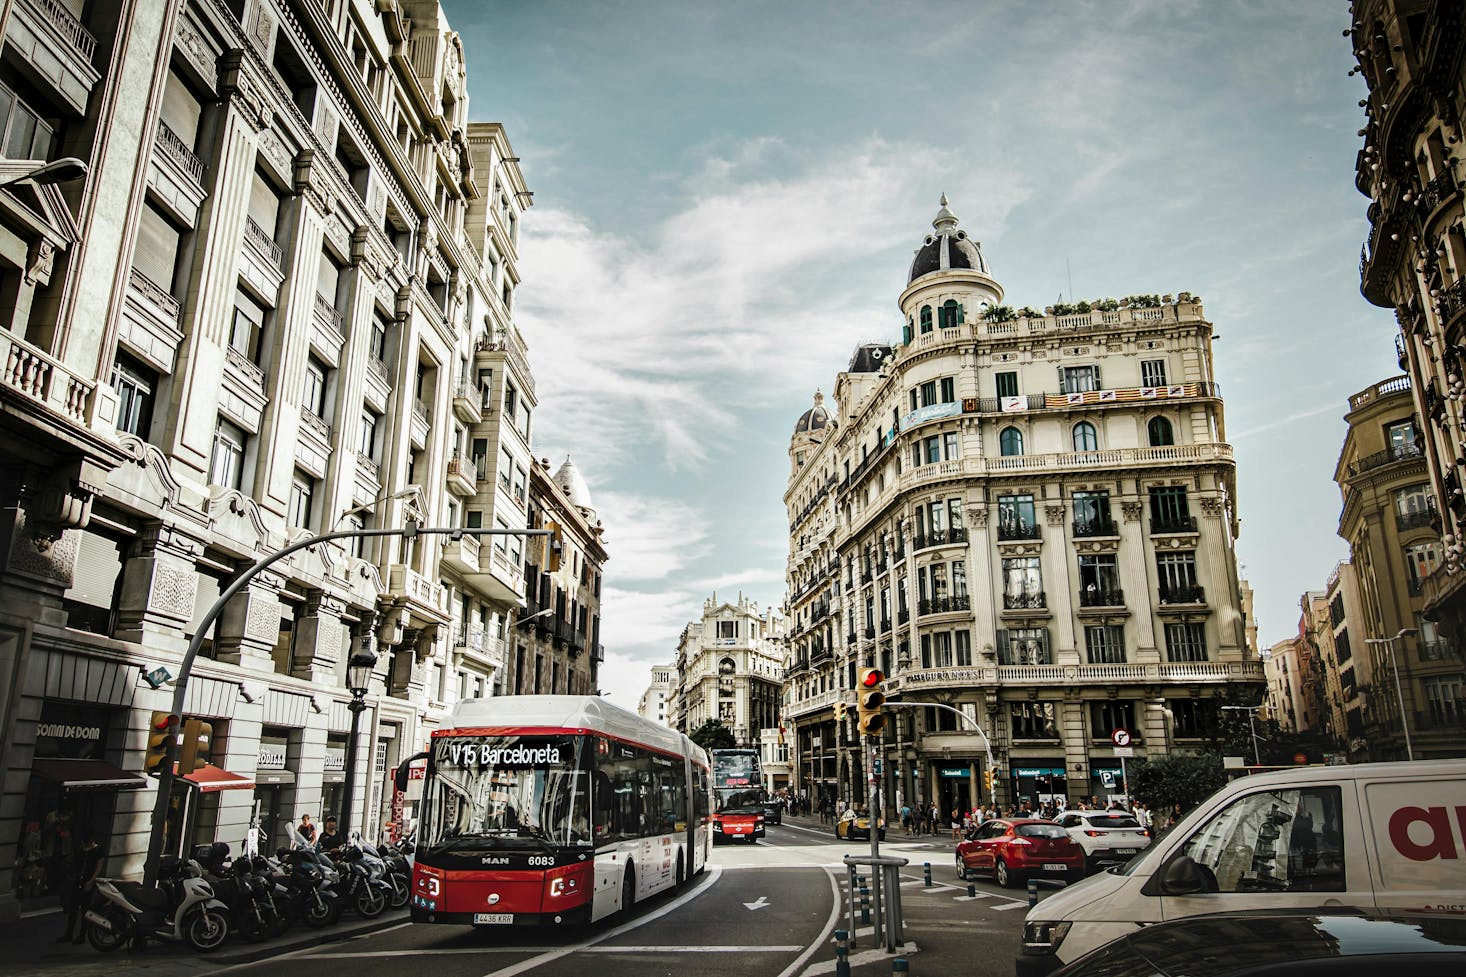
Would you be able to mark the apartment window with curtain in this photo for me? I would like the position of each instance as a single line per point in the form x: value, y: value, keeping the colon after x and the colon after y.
x: 247, y: 327
x: 1023, y: 646
x: 1092, y: 514
x: 135, y: 385
x: 1078, y: 379
x: 1105, y: 644
x: 314, y: 397
x: 1007, y: 383
x: 1033, y: 720
x: 1016, y: 517
x: 302, y: 498
x: 367, y: 442
x: 226, y: 463
x: 1152, y: 373
x: 1176, y: 572
x: 1185, y: 643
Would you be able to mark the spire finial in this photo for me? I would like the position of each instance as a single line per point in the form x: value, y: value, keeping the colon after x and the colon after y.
x: 946, y: 221
x: 819, y: 398
x: 944, y: 200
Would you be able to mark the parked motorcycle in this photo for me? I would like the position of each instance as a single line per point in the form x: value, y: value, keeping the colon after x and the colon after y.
x: 182, y: 908
x: 238, y: 886
x: 399, y: 871
x: 365, y: 886
x: 309, y: 897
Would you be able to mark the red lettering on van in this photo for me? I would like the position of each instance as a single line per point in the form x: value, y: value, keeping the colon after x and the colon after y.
x: 1442, y: 842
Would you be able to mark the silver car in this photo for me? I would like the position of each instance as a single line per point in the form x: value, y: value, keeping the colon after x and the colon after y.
x: 1105, y: 836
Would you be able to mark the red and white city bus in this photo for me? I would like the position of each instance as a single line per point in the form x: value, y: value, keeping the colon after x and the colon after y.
x: 555, y: 809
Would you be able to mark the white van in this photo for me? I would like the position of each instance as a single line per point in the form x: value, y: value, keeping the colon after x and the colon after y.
x: 1385, y: 836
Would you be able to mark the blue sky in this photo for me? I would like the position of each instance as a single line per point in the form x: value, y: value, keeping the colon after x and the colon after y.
x: 727, y: 197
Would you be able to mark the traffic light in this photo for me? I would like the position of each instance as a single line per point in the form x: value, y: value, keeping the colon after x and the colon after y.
x: 158, y: 732
x: 194, y: 750
x: 554, y: 547
x: 869, y: 699
x: 840, y: 710
x: 987, y: 782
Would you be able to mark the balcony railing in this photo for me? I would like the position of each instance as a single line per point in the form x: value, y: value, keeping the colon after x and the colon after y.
x: 179, y: 152
x: 1400, y: 452
x: 257, y: 238
x: 1436, y: 650
x: 1101, y: 598
x: 1095, y: 527
x: 869, y: 633
x: 68, y: 27
x: 1173, y: 524
x: 1419, y: 519
x: 1183, y: 595
x: 1013, y: 531
x: 1035, y: 600
x: 328, y: 312
x: 421, y: 414
x: 39, y: 377
x: 942, y: 605
x: 378, y: 369
x: 903, y: 615
x: 885, y: 624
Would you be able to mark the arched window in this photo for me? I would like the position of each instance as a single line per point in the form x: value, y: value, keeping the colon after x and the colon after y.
x: 1010, y: 442
x: 926, y: 319
x: 951, y: 314
x: 1159, y: 432
x: 1084, y: 437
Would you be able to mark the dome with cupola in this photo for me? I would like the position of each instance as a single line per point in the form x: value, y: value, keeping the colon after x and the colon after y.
x: 947, y: 248
x: 817, y: 418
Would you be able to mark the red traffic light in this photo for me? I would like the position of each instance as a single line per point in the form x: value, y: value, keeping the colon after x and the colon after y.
x: 161, y: 720
x: 872, y: 677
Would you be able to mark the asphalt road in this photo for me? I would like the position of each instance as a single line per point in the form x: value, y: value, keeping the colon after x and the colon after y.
x: 762, y: 910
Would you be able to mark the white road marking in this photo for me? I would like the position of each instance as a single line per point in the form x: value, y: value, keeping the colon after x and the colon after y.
x: 1011, y: 905
x: 695, y: 949
x: 971, y: 898
x: 449, y: 951
x: 762, y: 903
x: 857, y: 959
x: 714, y: 873
x: 835, y: 907
x: 304, y: 950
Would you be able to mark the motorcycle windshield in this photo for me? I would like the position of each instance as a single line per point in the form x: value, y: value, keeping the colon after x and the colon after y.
x: 505, y: 792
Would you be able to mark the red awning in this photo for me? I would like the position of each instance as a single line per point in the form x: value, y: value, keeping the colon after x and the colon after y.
x: 210, y: 778
x: 86, y: 775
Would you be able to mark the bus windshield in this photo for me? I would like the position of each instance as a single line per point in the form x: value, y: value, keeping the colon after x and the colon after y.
x: 740, y: 801
x: 506, y: 792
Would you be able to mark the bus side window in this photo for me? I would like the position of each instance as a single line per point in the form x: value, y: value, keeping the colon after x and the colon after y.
x: 605, y: 798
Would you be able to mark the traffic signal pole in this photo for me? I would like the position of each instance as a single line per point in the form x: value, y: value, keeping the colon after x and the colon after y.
x: 986, y: 743
x: 166, y: 774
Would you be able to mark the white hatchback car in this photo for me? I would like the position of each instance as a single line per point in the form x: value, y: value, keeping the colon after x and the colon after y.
x: 1105, y: 836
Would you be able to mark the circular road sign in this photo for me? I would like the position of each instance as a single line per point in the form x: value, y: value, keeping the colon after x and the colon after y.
x: 1120, y: 737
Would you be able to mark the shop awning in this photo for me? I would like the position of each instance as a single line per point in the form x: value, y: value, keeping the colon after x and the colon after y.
x: 210, y: 778
x: 87, y: 775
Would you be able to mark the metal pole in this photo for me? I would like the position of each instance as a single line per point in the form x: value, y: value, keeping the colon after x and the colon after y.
x: 1400, y: 696
x: 1252, y: 727
x: 1125, y: 781
x: 357, y: 707
x: 206, y: 624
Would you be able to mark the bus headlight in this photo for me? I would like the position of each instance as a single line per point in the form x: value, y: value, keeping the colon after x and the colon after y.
x: 1043, y: 939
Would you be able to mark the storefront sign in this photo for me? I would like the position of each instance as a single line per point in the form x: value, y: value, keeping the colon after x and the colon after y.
x: 335, y: 759
x: 272, y: 757
x: 70, y: 730
x: 952, y: 771
x: 1038, y: 771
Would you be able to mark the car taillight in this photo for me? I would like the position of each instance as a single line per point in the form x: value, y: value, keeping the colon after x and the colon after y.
x: 1094, y: 834
x: 1019, y: 841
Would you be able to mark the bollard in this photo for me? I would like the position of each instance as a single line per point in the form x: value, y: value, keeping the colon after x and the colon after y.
x: 898, y: 965
x: 972, y: 890
x: 1032, y: 893
x: 842, y: 963
x: 926, y: 873
x: 865, y: 905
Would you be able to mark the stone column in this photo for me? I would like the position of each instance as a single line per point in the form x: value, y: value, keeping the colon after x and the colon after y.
x: 249, y: 628
x: 319, y: 639
x: 159, y: 588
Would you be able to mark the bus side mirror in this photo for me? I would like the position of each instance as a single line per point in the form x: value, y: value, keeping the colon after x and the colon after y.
x: 399, y: 779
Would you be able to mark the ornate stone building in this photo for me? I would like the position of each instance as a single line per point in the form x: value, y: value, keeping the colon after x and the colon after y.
x: 657, y: 697
x: 1027, y: 516
x: 1392, y: 524
x: 1412, y: 57
x: 729, y: 668
x: 280, y: 296
x: 557, y: 645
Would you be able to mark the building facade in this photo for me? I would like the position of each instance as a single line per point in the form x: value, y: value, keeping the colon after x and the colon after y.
x: 1026, y: 516
x: 655, y: 701
x: 730, y: 666
x: 279, y: 302
x: 557, y: 644
x: 1412, y: 57
x: 1392, y: 524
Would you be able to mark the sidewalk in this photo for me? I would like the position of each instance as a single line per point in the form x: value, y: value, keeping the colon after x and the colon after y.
x: 32, y: 944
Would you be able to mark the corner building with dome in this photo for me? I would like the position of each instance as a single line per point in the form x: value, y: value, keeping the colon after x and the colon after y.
x: 1027, y: 516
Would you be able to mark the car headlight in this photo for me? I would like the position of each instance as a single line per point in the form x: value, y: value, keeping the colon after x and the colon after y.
x: 1041, y: 938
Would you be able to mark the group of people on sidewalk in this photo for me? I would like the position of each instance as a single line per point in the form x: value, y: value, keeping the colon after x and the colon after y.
x: 927, y: 819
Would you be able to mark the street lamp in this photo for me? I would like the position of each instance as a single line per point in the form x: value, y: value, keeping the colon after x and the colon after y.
x: 412, y: 491
x: 359, y: 671
x: 63, y: 170
x: 1389, y: 644
x: 1251, y: 711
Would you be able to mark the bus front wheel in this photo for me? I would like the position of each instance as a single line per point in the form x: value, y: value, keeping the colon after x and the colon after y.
x: 628, y: 889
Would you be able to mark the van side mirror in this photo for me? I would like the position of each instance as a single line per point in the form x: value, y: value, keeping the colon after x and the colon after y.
x: 1183, y: 877
x: 399, y: 779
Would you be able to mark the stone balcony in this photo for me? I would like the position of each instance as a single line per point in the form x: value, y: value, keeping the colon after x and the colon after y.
x: 1151, y: 673
x: 43, y: 380
x: 468, y: 402
x: 328, y: 329
x: 176, y: 176
x: 462, y: 475
x: 368, y: 482
x: 313, y: 443
x: 463, y: 554
x: 261, y: 260
x: 422, y: 419
x: 427, y: 599
x: 150, y: 322
x: 56, y: 46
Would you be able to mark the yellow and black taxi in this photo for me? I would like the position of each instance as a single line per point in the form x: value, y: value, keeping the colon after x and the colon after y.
x: 853, y: 825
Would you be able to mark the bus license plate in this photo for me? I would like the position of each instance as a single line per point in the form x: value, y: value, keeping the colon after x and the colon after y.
x: 1126, y: 851
x: 492, y: 918
x: 1055, y: 867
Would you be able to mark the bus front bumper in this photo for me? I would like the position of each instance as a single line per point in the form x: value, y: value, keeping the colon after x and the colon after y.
x: 579, y: 916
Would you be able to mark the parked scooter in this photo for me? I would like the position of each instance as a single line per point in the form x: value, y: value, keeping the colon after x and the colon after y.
x: 399, y: 871
x: 366, y: 888
x: 238, y: 886
x: 308, y: 896
x: 183, y: 907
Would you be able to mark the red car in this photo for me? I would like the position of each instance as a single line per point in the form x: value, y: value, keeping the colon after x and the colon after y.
x: 1012, y: 849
